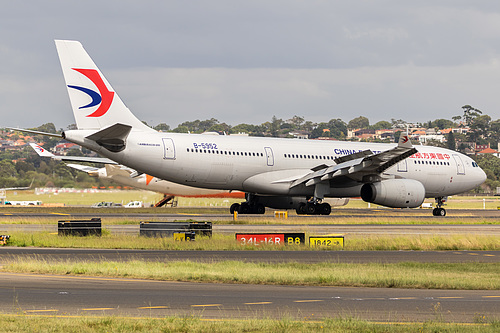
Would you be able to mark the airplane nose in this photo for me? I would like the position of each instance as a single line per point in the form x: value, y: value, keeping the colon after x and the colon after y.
x: 481, y: 176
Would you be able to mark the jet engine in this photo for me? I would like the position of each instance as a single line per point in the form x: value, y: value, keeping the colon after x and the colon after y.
x: 395, y: 193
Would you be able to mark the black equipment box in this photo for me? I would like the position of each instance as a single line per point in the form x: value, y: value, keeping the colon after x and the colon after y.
x: 90, y: 227
x: 168, y: 229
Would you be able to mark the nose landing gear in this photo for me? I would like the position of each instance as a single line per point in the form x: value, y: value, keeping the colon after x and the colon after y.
x: 439, y: 211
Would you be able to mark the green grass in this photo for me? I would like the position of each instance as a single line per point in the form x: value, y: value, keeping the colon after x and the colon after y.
x: 24, y: 323
x: 228, y: 242
x: 466, y: 276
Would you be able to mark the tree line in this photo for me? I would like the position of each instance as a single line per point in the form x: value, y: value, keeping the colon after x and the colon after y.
x: 24, y: 167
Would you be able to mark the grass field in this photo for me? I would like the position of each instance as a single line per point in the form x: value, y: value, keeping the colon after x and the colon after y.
x: 465, y: 276
x: 25, y: 323
x: 227, y: 242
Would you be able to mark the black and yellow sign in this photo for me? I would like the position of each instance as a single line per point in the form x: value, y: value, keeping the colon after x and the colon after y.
x: 184, y: 236
x: 294, y: 238
x: 331, y: 242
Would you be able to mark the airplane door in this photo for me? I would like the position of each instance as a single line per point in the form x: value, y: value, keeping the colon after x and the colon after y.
x: 168, y: 149
x: 460, y: 165
x: 402, y: 166
x: 269, y: 156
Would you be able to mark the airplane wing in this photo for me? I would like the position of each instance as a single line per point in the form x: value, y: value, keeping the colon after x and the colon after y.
x: 359, y: 166
x: 45, y: 153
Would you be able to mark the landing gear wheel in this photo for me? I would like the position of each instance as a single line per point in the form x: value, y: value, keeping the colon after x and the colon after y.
x: 325, y: 209
x: 311, y: 209
x: 244, y: 208
x: 234, y: 208
x: 301, y: 210
x: 439, y: 212
x: 260, y: 209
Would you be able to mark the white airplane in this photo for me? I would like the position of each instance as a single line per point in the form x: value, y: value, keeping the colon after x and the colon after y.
x: 272, y: 171
x: 122, y: 175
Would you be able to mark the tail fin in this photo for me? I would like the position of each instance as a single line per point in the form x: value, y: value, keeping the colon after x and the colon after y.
x: 41, y: 151
x: 94, y: 102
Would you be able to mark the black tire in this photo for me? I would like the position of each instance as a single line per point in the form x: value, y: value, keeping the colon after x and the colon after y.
x: 234, y: 208
x: 301, y: 210
x: 325, y: 209
x: 435, y: 211
x: 244, y: 208
x: 311, y: 209
x: 441, y: 212
x: 260, y: 209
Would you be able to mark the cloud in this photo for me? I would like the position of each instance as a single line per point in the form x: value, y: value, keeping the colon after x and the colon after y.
x: 173, y: 61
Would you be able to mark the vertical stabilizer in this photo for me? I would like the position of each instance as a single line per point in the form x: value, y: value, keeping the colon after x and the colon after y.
x: 94, y: 102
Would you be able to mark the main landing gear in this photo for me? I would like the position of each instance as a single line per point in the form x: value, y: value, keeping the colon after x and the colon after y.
x: 247, y: 208
x: 314, y: 208
x: 251, y: 206
x: 439, y: 211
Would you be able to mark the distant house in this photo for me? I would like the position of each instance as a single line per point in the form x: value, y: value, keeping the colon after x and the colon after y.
x: 64, y: 148
x: 479, y: 148
x: 431, y: 137
x: 300, y: 134
x: 489, y: 151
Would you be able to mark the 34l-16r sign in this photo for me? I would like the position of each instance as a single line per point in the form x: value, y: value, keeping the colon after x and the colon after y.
x: 271, y: 238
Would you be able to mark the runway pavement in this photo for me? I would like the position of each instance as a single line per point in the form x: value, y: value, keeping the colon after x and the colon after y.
x: 60, y: 295
x: 222, y: 214
x: 69, y: 295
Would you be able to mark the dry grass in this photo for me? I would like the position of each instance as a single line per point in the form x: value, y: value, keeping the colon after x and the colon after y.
x: 25, y: 323
x: 470, y: 276
x: 227, y: 242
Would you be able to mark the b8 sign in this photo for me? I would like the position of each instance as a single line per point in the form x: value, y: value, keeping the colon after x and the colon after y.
x: 271, y: 238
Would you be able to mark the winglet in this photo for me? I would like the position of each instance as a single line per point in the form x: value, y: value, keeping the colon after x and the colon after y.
x: 41, y: 151
x: 404, y: 141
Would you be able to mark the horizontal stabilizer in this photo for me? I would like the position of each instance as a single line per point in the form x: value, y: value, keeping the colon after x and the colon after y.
x: 56, y: 135
x: 102, y: 160
x: 113, y: 137
x: 45, y: 153
x: 84, y: 168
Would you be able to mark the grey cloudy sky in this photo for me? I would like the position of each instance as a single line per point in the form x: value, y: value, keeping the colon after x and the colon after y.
x: 245, y: 61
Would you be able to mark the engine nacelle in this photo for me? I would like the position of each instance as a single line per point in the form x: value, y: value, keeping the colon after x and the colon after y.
x: 395, y: 193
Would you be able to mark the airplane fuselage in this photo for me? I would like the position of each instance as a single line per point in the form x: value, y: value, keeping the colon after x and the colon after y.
x: 267, y: 165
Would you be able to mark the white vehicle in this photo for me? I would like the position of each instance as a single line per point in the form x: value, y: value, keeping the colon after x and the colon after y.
x: 286, y: 173
x: 134, y: 204
x: 24, y: 203
x: 104, y: 204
